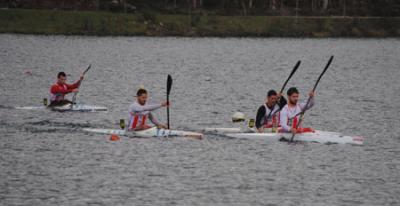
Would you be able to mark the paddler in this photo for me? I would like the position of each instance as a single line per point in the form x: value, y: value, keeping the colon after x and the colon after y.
x: 140, y: 111
x: 61, y: 88
x: 290, y: 114
x: 268, y: 113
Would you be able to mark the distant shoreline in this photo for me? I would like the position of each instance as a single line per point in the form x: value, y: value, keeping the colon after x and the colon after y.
x: 50, y: 22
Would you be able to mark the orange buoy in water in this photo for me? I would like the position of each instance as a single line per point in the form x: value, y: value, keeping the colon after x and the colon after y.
x: 114, y: 137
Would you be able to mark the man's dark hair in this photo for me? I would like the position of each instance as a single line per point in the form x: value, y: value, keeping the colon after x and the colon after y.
x: 140, y: 92
x: 271, y: 93
x: 61, y: 74
x: 292, y: 90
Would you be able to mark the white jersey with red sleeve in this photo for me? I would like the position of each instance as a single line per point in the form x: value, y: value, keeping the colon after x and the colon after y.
x: 289, y: 116
x: 138, y: 114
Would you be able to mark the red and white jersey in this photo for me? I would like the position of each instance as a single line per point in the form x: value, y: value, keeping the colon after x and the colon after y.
x: 267, y: 118
x: 138, y: 115
x: 58, y: 91
x: 273, y: 119
x: 289, y: 116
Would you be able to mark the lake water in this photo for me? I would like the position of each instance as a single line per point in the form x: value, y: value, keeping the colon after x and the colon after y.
x: 45, y: 158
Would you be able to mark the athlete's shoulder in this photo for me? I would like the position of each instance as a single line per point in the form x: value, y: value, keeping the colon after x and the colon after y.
x: 301, y: 105
x: 261, y: 110
x: 133, y: 107
x: 55, y: 85
x: 284, y: 108
x: 134, y: 104
x: 55, y: 88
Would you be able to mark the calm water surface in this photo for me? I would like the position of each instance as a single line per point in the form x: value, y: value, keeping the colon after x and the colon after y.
x: 45, y: 158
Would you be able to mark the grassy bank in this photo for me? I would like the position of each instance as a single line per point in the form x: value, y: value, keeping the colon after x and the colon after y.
x: 150, y: 24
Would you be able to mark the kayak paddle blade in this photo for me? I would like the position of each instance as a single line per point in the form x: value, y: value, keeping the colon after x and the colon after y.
x: 90, y: 65
x: 323, y: 72
x: 169, y: 84
x: 291, y: 74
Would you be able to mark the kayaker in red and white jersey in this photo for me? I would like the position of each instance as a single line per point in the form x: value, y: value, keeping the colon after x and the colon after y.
x: 140, y: 112
x: 61, y: 88
x: 264, y: 111
x: 290, y: 117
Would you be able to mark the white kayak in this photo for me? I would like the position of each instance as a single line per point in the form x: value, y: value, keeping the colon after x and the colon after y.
x: 152, y: 132
x: 67, y: 107
x: 222, y: 130
x: 317, y: 136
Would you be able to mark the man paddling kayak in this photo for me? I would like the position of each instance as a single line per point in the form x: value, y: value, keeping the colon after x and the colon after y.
x: 61, y: 88
x: 268, y: 113
x: 140, y: 111
x: 289, y: 116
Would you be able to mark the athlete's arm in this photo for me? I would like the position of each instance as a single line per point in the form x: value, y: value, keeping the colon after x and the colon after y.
x: 153, y: 119
x: 59, y: 90
x: 74, y: 85
x: 260, y: 116
x: 282, y: 102
x: 155, y: 122
x: 310, y: 105
x: 139, y: 108
x: 283, y: 120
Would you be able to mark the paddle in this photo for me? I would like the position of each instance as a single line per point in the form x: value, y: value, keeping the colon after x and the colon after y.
x: 74, y: 97
x: 169, y: 85
x: 284, y: 85
x: 309, y: 98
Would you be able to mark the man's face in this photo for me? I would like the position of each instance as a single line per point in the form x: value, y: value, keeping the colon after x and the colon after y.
x: 293, y: 98
x: 142, y: 99
x: 62, y: 79
x: 271, y: 100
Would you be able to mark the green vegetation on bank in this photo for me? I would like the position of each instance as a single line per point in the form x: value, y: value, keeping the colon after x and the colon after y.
x: 151, y: 24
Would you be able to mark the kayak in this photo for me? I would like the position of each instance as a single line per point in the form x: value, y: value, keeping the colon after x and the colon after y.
x: 65, y: 108
x: 222, y: 130
x: 152, y: 132
x: 318, y: 136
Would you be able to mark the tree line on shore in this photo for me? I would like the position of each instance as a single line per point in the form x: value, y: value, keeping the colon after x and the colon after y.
x: 223, y: 7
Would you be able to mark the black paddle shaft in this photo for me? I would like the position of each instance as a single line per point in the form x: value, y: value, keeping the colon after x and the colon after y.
x: 309, y: 98
x: 84, y: 72
x: 169, y: 85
